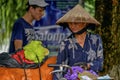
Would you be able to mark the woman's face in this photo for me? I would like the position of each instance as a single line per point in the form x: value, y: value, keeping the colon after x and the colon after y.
x: 37, y: 13
x: 76, y: 26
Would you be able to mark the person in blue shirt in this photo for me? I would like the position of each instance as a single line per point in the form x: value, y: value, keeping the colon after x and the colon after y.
x: 23, y: 30
x: 81, y: 46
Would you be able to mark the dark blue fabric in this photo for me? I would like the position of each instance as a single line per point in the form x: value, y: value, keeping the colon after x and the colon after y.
x: 71, y: 52
x: 21, y: 31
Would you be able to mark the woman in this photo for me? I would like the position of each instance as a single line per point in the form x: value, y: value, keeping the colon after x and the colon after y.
x: 81, y: 46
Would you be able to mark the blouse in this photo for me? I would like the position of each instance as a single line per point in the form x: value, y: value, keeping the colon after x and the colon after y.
x: 70, y: 52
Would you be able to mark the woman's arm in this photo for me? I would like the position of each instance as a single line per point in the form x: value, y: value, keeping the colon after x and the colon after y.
x: 97, y: 64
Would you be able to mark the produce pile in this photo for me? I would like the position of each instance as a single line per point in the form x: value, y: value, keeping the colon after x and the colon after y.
x: 35, y: 51
x: 78, y: 73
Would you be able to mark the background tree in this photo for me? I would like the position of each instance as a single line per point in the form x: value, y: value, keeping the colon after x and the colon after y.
x: 108, y: 13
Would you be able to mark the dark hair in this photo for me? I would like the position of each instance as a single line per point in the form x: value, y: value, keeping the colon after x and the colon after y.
x: 91, y: 26
x: 34, y: 6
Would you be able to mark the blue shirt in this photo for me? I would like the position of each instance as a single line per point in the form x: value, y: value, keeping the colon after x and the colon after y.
x: 71, y: 52
x: 22, y: 30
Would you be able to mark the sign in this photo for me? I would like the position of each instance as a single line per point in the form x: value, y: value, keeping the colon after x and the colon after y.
x: 47, y: 30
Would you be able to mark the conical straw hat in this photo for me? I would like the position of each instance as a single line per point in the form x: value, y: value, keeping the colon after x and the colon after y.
x: 77, y: 14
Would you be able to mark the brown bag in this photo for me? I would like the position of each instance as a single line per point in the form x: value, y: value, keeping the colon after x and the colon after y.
x: 31, y: 74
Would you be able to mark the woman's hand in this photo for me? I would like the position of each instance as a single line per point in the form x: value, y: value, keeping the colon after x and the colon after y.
x: 88, y: 66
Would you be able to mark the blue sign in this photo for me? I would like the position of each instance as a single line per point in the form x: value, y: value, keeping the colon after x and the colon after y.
x: 47, y: 30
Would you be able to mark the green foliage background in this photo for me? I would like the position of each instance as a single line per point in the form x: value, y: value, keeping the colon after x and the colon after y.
x: 10, y: 10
